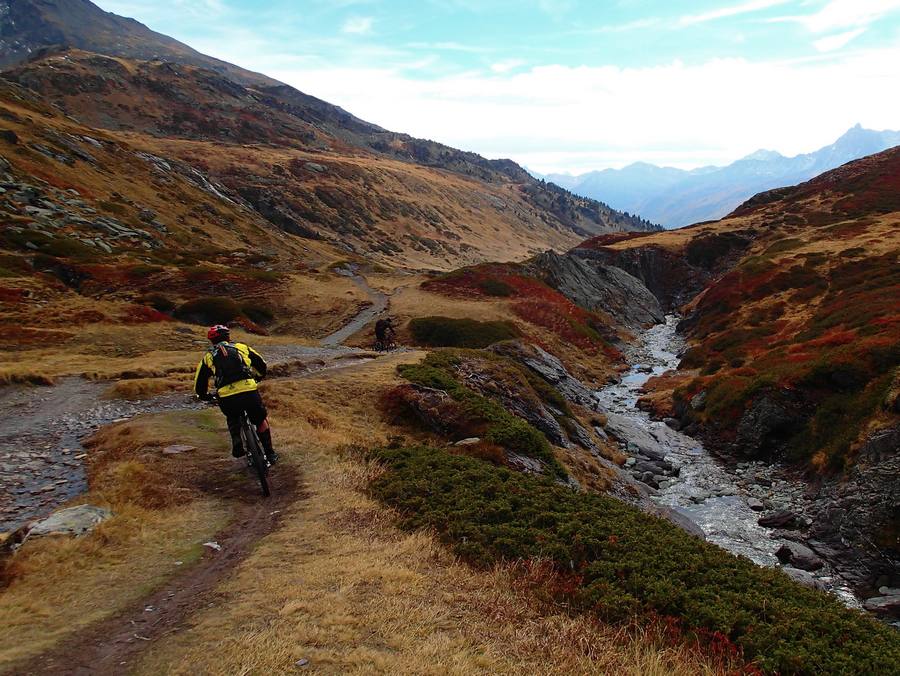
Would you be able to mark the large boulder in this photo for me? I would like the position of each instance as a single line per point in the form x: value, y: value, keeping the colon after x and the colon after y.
x: 884, y: 605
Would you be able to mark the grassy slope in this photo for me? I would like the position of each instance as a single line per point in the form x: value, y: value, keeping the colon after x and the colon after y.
x: 356, y: 592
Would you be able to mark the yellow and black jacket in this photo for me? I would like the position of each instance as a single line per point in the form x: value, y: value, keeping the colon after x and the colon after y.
x: 206, y: 368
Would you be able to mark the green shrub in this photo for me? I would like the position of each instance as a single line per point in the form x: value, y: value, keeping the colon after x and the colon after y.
x: 139, y: 270
x: 59, y: 246
x: 624, y: 563
x: 208, y: 310
x: 496, y: 287
x: 258, y: 314
x: 450, y: 332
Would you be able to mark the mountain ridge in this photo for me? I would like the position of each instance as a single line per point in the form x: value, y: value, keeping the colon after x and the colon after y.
x: 678, y: 197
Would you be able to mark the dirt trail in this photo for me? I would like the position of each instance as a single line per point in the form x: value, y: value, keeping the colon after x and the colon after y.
x: 378, y: 306
x: 112, y: 645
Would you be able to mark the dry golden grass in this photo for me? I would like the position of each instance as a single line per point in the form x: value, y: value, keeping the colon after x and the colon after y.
x: 59, y: 585
x: 478, y: 230
x: 340, y: 586
x: 66, y: 584
x: 312, y: 306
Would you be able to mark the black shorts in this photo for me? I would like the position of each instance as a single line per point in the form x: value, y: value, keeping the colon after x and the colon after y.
x: 251, y: 402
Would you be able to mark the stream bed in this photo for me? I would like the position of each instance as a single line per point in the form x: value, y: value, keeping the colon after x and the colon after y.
x: 712, y: 495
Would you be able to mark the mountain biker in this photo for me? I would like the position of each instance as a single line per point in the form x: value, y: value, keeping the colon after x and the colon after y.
x: 233, y: 365
x: 384, y: 332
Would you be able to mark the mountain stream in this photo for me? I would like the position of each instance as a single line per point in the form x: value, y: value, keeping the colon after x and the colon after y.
x: 714, y: 496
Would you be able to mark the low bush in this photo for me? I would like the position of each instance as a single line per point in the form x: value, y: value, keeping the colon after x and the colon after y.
x: 620, y: 563
x: 208, y: 310
x: 259, y: 314
x: 470, y: 333
x: 496, y: 287
x: 158, y: 301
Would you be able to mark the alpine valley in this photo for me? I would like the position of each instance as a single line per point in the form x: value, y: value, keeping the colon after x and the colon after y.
x: 601, y: 447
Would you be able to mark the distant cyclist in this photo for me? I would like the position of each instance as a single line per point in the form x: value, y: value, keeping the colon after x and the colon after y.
x: 384, y: 334
x: 233, y: 366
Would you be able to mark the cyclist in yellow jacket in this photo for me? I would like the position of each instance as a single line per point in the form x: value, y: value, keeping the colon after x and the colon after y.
x: 233, y: 365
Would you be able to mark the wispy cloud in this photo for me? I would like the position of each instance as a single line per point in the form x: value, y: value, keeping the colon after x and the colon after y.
x: 832, y: 42
x: 358, y: 25
x: 843, y: 14
x: 733, y: 10
x: 450, y: 47
x: 506, y: 66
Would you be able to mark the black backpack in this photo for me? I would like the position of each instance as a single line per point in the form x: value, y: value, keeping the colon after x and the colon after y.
x: 229, y: 365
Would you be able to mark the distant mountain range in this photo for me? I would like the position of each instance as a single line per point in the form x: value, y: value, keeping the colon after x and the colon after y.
x: 676, y: 197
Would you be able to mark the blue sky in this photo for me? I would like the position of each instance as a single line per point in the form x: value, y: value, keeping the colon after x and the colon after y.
x: 563, y: 85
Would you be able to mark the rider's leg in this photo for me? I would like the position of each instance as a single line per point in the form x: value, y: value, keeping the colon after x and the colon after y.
x: 233, y: 416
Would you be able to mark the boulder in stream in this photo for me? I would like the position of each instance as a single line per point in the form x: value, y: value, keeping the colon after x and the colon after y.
x: 800, y: 556
x: 778, y: 519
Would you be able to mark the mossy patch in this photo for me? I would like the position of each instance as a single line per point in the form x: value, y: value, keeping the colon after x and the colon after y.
x: 451, y: 332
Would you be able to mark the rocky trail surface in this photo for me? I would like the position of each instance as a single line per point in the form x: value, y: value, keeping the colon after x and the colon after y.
x: 726, y: 502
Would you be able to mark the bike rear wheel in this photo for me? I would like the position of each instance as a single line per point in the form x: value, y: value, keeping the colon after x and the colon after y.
x: 256, y: 454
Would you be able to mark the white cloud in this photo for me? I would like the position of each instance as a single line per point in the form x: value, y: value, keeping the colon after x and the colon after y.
x: 576, y: 118
x: 832, y: 42
x: 734, y: 10
x: 358, y: 25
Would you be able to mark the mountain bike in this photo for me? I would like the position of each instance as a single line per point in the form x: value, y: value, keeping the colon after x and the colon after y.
x: 256, y: 456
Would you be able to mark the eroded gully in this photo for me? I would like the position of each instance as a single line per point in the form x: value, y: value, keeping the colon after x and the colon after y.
x: 713, y: 496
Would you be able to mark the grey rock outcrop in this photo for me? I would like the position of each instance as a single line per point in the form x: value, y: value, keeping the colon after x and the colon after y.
x: 550, y: 369
x: 600, y: 287
x: 854, y: 514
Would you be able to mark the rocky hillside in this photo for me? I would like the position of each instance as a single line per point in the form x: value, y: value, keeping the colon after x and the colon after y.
x: 792, y: 310
x: 316, y: 171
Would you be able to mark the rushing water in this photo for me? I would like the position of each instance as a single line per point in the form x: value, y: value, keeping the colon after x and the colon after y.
x: 707, y: 492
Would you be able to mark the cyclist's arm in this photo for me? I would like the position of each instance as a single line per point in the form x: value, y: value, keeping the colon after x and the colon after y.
x: 201, y: 379
x: 257, y: 362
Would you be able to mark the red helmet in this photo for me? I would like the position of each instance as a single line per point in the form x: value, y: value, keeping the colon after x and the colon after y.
x: 218, y: 333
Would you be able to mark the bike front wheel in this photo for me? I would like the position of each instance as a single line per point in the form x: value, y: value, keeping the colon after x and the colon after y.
x: 257, y: 456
